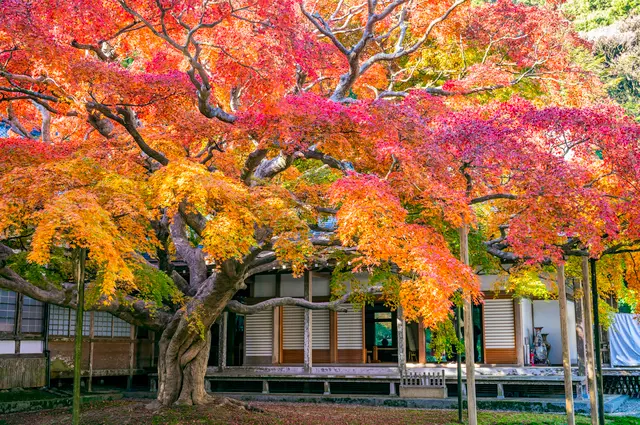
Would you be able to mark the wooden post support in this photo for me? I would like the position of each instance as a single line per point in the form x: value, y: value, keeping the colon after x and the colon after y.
x: 333, y: 337
x: 580, y: 337
x: 17, y: 326
x: 564, y: 334
x: 265, y: 387
x: 596, y: 341
x: 468, y: 335
x: 517, y: 315
x: 275, y: 352
x: 153, y: 347
x: 77, y: 352
x: 277, y: 325
x: 327, y: 388
x: 401, y: 331
x: 588, y: 328
x: 392, y: 388
x: 308, y: 343
x: 91, y: 334
x: 459, y: 363
x: 222, y: 344
x: 422, y: 352
x: 132, y: 358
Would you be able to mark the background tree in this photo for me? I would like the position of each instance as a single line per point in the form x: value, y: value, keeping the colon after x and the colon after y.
x: 223, y: 133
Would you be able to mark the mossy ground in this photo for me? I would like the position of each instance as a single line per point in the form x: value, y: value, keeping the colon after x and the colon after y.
x: 26, y: 395
x: 130, y: 412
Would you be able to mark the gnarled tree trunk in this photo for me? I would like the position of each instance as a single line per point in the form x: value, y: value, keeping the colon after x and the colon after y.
x: 186, y: 341
x: 182, y: 364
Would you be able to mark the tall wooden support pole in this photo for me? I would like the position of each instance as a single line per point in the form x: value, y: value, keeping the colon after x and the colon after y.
x: 422, y: 353
x: 580, y: 336
x: 308, y: 343
x: 222, y: 344
x: 77, y: 353
x: 275, y: 351
x: 564, y: 334
x: 333, y: 337
x: 459, y: 361
x: 517, y: 316
x: 91, y: 334
x: 596, y: 341
x: 277, y: 324
x: 402, y: 338
x: 132, y: 358
x: 468, y: 335
x: 588, y: 339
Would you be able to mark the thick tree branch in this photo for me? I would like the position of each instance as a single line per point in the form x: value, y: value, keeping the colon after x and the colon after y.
x: 45, y: 128
x: 198, y: 75
x: 194, y: 257
x: 327, y: 159
x: 132, y: 310
x: 336, y: 305
x: 493, y: 196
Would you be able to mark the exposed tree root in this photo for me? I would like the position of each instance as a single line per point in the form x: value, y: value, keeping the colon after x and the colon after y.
x: 234, y: 403
x: 215, y: 401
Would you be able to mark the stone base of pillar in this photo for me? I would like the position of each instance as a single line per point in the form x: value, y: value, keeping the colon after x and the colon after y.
x: 392, y: 388
x: 327, y: 388
x: 500, y: 391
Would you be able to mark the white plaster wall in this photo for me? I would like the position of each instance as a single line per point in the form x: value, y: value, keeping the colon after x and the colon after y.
x: 526, y: 308
x: 30, y: 347
x: 291, y: 286
x: 264, y: 286
x: 547, y: 315
x: 320, y: 285
x: 362, y: 277
x: 7, y: 347
x: 488, y: 282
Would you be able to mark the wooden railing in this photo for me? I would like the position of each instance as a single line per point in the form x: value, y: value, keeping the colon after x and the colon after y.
x: 425, y: 379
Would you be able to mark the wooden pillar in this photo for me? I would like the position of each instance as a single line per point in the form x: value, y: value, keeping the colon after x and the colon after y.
x: 580, y: 338
x: 222, y: 344
x: 17, y: 327
x: 422, y: 352
x: 277, y: 324
x: 588, y: 339
x: 132, y: 358
x: 153, y: 347
x: 91, y: 334
x: 564, y: 333
x: 517, y: 314
x: 364, y: 341
x: 77, y: 350
x: 275, y: 353
x: 333, y: 336
x: 401, y: 331
x: 468, y: 335
x: 597, y: 358
x: 308, y: 344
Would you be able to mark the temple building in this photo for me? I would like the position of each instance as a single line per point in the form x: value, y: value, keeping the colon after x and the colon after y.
x: 287, y: 349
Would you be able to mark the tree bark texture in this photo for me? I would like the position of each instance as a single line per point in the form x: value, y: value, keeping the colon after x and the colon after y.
x: 564, y: 333
x: 468, y: 335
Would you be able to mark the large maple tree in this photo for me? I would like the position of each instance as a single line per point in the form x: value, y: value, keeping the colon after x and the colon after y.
x: 224, y: 133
